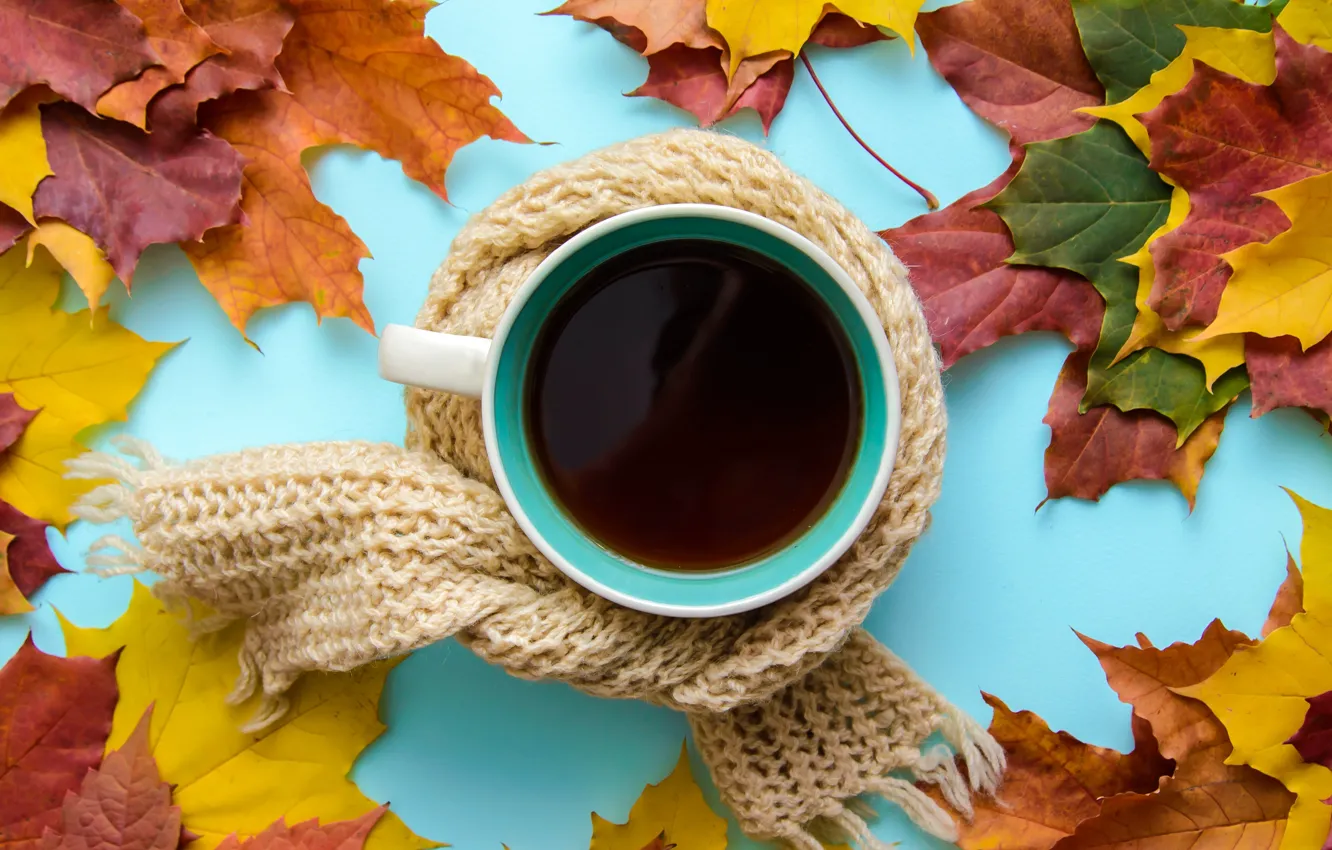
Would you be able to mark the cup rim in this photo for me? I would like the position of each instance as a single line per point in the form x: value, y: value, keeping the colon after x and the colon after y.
x: 882, y: 348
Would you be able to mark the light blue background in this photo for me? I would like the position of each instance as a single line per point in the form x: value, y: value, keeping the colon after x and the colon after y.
x: 988, y: 598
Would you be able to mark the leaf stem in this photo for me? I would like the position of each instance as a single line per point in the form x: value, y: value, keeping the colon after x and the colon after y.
x: 930, y: 201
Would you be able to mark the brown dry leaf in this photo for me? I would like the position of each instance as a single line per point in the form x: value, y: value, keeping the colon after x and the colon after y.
x: 292, y: 248
x: 55, y: 714
x: 662, y: 23
x: 1053, y: 782
x: 367, y: 70
x: 1186, y: 729
x: 128, y: 190
x: 251, y: 32
x: 180, y: 44
x: 1091, y: 452
x: 388, y: 89
x: 122, y: 805
x: 79, y: 49
x: 693, y: 80
x: 1247, y: 811
x: 1017, y: 63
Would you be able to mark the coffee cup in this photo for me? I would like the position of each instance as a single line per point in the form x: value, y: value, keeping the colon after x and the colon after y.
x: 691, y: 410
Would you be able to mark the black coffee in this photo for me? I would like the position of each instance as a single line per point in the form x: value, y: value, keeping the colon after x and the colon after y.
x: 693, y: 405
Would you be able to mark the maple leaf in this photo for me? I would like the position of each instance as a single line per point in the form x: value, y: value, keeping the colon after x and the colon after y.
x: 1284, y: 375
x: 292, y: 248
x: 687, y: 61
x: 1053, y: 781
x: 1241, y: 53
x: 77, y: 369
x: 55, y: 714
x: 673, y: 810
x: 756, y: 27
x: 23, y: 152
x: 180, y: 44
x: 127, y: 191
x: 693, y: 80
x: 1017, y: 64
x: 971, y: 296
x: 1091, y: 452
x: 1251, y: 809
x: 251, y: 32
x: 1144, y: 676
x: 1260, y: 693
x: 1284, y: 286
x: 1127, y: 41
x: 79, y: 49
x: 13, y: 419
x: 1225, y: 141
x: 343, y: 835
x: 1083, y: 203
x: 1313, y: 740
x: 389, y: 89
x: 228, y: 781
x: 123, y: 804
x: 31, y: 561
x: 660, y: 24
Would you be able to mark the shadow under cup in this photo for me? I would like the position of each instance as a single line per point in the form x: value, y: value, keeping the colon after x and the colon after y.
x: 647, y: 578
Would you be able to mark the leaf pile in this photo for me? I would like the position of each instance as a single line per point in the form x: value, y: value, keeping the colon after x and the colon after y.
x: 714, y: 58
x: 128, y: 123
x: 1228, y: 751
x: 1168, y: 209
x: 176, y: 770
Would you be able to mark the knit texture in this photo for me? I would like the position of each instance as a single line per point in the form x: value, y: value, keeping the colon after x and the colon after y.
x: 338, y: 554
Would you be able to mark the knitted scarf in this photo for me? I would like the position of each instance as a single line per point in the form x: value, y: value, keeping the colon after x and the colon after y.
x: 338, y: 554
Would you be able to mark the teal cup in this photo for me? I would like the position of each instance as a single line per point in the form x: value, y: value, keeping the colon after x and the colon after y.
x: 495, y: 370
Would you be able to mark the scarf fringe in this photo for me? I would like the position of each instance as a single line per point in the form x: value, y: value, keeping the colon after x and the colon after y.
x: 982, y: 759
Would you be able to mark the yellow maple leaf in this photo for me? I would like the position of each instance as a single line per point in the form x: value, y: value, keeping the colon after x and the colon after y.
x: 1218, y: 355
x: 78, y: 253
x: 77, y: 369
x: 673, y: 810
x: 11, y: 600
x: 1249, y: 55
x: 227, y: 781
x: 1308, y: 21
x: 1284, y: 286
x: 754, y: 27
x: 23, y: 151
x: 1259, y: 694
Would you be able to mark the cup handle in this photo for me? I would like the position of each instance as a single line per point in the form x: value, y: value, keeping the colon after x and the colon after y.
x: 433, y: 361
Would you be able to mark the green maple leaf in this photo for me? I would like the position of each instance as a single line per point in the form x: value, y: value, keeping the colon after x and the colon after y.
x: 1127, y: 41
x: 1081, y: 203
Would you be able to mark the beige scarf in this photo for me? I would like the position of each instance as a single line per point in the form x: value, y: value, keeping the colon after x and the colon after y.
x: 337, y: 554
